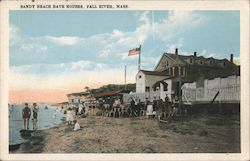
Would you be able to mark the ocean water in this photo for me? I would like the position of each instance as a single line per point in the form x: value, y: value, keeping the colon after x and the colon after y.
x: 47, y: 118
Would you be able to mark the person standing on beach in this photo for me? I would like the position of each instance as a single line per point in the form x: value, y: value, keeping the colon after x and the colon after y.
x: 26, y: 116
x: 69, y: 116
x: 34, y: 119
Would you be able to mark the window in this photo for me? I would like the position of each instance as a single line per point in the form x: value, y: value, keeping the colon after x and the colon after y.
x: 163, y: 64
x: 147, y: 89
x: 201, y: 62
x: 165, y: 86
x: 211, y: 62
x: 139, y: 76
x: 224, y: 64
x: 191, y: 60
x: 181, y: 70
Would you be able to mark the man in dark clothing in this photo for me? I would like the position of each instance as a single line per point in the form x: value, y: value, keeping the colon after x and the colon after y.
x: 140, y: 107
x: 161, y: 108
x: 132, y: 106
x: 175, y: 106
x: 155, y: 105
x: 167, y: 107
x: 76, y: 109
x: 26, y: 116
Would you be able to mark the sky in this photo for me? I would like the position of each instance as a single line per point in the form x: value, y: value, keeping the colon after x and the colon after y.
x: 53, y: 53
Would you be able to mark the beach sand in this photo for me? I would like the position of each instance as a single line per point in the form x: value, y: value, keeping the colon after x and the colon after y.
x: 197, y: 133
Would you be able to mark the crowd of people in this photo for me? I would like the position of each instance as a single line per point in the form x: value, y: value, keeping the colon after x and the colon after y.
x: 111, y: 107
x: 164, y: 109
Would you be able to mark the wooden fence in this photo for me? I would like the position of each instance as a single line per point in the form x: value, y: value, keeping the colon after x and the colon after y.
x: 228, y: 90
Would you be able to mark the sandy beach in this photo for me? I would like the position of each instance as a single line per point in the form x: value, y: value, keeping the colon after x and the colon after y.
x: 198, y: 133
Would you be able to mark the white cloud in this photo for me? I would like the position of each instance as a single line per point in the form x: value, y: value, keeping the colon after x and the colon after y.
x: 64, y: 40
x: 171, y: 47
x: 107, y: 51
x: 111, y: 46
x: 117, y: 33
x: 114, y: 44
x: 176, y: 23
x: 236, y: 60
x: 79, y: 73
x: 144, y: 17
x: 207, y: 54
x: 33, y: 48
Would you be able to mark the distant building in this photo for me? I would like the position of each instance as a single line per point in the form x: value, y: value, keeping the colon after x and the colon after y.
x: 77, y: 97
x: 179, y: 69
x: 109, y: 94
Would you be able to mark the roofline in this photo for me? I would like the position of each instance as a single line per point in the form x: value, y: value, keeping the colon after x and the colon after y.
x: 159, y: 61
x: 78, y: 94
x: 164, y: 54
x: 153, y: 72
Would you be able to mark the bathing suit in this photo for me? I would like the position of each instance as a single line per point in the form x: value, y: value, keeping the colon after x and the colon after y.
x: 26, y: 113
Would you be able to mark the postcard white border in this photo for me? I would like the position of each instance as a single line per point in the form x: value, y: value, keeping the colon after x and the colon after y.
x: 242, y: 6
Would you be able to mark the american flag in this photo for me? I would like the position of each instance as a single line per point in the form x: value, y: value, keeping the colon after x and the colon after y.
x: 135, y: 51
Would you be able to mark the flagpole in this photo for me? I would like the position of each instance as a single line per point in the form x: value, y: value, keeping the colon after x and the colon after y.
x: 139, y: 61
x: 125, y: 79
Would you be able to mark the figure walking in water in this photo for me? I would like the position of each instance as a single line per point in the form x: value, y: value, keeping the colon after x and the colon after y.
x: 26, y: 116
x: 34, y: 119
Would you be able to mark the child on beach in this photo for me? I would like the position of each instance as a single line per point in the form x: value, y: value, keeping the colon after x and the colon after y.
x: 77, y: 126
x: 69, y: 116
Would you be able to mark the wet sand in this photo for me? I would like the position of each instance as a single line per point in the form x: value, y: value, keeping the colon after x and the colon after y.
x: 194, y: 134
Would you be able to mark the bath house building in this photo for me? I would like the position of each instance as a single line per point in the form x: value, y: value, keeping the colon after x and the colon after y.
x: 173, y: 70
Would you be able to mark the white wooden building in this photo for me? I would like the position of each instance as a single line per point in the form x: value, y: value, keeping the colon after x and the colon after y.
x: 177, y: 70
x: 146, y: 79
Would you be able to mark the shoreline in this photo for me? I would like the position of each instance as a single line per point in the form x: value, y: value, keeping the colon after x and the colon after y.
x: 195, y: 134
x: 21, y: 137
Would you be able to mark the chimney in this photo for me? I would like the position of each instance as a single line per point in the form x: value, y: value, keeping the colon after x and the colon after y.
x: 176, y: 51
x: 195, y: 54
x: 231, y: 58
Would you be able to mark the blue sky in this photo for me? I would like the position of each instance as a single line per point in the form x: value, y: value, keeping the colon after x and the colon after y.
x: 83, y: 44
